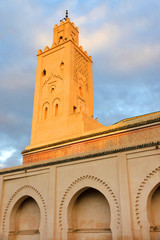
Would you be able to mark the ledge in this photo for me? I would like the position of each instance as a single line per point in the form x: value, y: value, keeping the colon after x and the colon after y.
x: 113, y: 130
x: 77, y: 158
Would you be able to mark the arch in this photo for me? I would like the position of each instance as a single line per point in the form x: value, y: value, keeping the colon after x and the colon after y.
x: 45, y: 111
x: 44, y: 72
x: 25, y: 219
x: 52, y: 88
x: 89, y: 181
x: 143, y: 197
x: 80, y: 91
x: 16, y: 199
x: 56, y: 107
x: 153, y: 207
x: 89, y: 215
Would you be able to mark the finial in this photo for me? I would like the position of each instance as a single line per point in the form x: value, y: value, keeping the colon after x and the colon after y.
x: 66, y: 14
x: 65, y: 17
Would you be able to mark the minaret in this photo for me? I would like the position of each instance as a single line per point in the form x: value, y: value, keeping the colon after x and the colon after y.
x: 63, y: 100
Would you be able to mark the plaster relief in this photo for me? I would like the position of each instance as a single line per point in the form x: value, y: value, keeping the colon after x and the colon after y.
x: 14, y: 223
x: 80, y: 66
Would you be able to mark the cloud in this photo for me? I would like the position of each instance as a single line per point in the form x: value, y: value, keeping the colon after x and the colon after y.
x: 127, y: 45
x: 96, y: 14
x: 5, y: 154
x: 135, y: 57
x: 101, y: 39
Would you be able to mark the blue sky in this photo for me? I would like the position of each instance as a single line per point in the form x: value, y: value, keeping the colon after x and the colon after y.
x: 123, y: 38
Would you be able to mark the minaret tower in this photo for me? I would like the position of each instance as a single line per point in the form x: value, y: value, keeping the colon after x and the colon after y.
x: 63, y: 100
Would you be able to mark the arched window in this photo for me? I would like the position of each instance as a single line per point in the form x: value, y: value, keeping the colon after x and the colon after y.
x: 45, y: 113
x: 56, y: 109
x: 52, y: 90
x: 74, y: 109
x: 80, y: 91
x: 44, y: 72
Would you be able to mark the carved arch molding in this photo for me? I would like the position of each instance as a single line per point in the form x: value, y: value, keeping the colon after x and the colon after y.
x: 19, y: 193
x: 108, y: 189
x: 149, y: 177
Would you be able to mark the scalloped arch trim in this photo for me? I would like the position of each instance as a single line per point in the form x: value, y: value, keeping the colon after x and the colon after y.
x: 109, y: 190
x: 139, y: 192
x: 15, y: 194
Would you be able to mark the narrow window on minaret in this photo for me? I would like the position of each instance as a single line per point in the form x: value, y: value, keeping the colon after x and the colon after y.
x: 74, y: 109
x: 52, y: 90
x: 45, y: 113
x: 80, y: 91
x: 44, y: 72
x: 56, y: 110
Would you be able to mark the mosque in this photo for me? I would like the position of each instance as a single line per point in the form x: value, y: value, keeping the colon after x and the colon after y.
x: 80, y: 180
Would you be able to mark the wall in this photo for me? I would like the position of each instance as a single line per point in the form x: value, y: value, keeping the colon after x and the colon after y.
x: 126, y: 182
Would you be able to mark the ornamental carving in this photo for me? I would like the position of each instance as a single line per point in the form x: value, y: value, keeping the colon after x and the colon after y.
x: 50, y: 79
x: 80, y: 66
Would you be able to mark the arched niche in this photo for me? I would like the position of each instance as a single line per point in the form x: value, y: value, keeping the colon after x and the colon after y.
x: 15, y: 200
x: 89, y: 216
x: 56, y: 107
x: 154, y: 213
x: 45, y: 111
x: 144, y: 205
x: 24, y: 220
x: 74, y: 190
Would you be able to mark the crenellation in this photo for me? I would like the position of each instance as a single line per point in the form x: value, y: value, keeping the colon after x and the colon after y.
x: 39, y: 51
x: 46, y: 48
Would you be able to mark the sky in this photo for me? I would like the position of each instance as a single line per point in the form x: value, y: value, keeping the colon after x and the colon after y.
x: 123, y: 38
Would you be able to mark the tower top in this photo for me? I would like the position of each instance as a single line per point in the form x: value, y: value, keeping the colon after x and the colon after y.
x: 65, y: 31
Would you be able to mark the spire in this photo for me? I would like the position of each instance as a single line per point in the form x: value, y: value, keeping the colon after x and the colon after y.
x: 65, y: 17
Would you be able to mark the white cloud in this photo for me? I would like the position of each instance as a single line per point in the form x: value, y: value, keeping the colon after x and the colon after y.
x: 102, y: 39
x: 97, y: 14
x: 5, y: 154
x: 135, y: 57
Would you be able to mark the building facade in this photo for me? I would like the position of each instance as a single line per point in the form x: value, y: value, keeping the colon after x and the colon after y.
x: 79, y: 179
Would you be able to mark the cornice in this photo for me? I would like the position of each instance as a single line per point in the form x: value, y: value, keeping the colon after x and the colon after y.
x: 94, y: 135
x: 77, y: 158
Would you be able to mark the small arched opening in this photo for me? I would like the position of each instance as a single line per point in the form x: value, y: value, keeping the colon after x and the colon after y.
x: 154, y: 214
x: 45, y: 113
x: 44, y: 72
x: 52, y: 90
x: 89, y: 216
x: 80, y: 91
x: 25, y: 220
x: 56, y: 109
